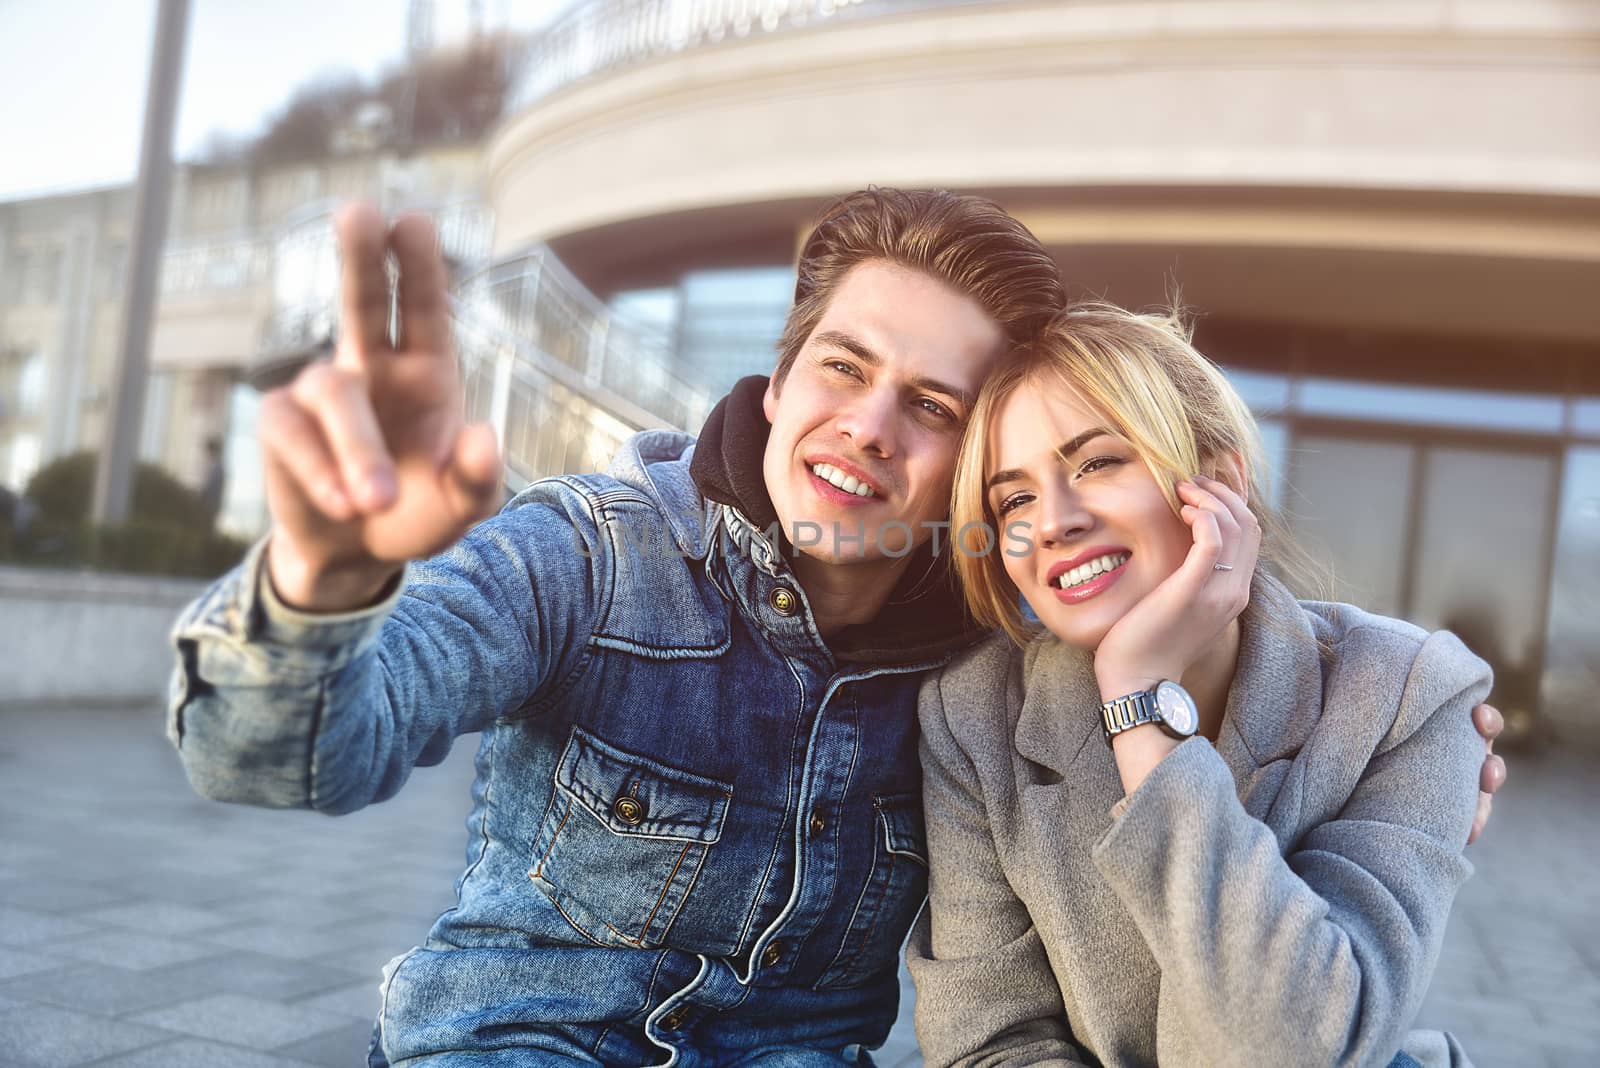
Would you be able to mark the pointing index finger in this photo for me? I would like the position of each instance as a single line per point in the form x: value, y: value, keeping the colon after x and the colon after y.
x: 364, y: 282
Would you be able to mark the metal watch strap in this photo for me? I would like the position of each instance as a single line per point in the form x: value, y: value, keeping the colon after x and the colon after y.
x: 1123, y: 713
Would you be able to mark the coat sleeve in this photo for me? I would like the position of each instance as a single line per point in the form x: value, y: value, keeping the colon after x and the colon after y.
x: 274, y: 707
x: 1322, y: 956
x: 985, y: 992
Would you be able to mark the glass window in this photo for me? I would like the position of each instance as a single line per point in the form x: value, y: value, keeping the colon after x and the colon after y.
x: 1586, y: 416
x: 22, y: 459
x: 1264, y: 392
x: 1434, y: 406
x: 1348, y: 508
x: 1571, y: 675
x: 1481, y: 556
x: 31, y: 385
x: 1275, y: 443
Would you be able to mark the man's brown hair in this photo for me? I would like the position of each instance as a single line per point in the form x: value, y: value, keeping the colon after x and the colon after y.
x: 967, y: 242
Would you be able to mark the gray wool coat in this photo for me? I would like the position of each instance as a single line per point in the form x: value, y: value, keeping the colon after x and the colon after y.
x: 1277, y: 899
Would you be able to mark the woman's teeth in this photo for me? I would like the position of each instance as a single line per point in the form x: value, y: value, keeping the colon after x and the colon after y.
x: 848, y: 483
x: 1092, y: 569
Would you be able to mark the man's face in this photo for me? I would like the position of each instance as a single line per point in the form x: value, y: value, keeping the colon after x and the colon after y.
x: 866, y: 425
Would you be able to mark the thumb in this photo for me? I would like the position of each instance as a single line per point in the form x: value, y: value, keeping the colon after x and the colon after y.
x: 472, y: 479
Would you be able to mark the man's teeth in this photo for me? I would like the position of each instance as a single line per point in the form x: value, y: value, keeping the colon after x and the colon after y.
x: 848, y: 483
x: 1084, y: 572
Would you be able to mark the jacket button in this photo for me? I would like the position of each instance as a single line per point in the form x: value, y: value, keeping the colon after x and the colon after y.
x: 674, y: 1019
x: 773, y: 954
x: 784, y: 602
x: 818, y: 824
x: 629, y: 810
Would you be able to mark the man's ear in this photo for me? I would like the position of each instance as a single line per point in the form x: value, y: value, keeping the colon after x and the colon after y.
x: 769, y: 399
x: 1230, y: 469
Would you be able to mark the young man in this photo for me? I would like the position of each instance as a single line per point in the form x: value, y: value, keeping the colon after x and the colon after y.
x: 696, y: 836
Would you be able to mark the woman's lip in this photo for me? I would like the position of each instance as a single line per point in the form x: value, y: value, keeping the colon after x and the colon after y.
x: 829, y: 492
x: 1095, y: 586
x: 1092, y: 553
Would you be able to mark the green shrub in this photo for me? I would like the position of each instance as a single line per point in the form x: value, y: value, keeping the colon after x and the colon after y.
x: 64, y: 488
x: 168, y: 532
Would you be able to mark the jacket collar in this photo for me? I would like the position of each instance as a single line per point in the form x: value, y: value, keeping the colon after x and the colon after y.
x: 1273, y: 705
x: 925, y: 618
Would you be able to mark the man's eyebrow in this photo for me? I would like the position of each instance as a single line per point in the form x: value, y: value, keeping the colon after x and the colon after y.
x: 839, y: 340
x: 1064, y: 450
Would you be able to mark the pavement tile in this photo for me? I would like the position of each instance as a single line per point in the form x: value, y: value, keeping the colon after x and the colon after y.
x: 299, y: 909
x: 255, y: 974
x: 1565, y: 1056
x: 341, y: 1047
x: 276, y: 940
x: 252, y: 1022
x: 360, y: 1000
x: 37, y: 1037
x: 25, y: 927
x: 158, y: 917
x: 112, y: 991
x: 132, y: 950
x: 15, y: 962
x: 179, y: 887
x: 56, y: 895
x: 197, y: 1053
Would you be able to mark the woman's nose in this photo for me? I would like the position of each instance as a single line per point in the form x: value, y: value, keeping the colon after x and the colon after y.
x: 1062, y: 516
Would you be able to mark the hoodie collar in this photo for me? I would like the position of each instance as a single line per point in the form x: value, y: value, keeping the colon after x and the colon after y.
x: 924, y: 619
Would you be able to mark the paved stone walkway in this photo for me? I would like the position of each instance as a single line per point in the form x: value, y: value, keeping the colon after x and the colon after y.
x: 143, y: 927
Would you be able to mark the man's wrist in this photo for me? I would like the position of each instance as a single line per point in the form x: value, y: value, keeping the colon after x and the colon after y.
x: 327, y: 587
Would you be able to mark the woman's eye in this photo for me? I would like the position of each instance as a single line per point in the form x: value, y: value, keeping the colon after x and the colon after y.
x: 1098, y: 463
x: 1016, y: 500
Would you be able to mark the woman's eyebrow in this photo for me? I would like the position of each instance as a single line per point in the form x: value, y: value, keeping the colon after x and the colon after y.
x: 1064, y: 450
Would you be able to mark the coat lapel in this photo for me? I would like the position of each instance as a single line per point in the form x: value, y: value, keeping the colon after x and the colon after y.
x: 1273, y: 705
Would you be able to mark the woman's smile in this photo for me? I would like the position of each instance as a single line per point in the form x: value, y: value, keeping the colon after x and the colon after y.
x: 1087, y: 574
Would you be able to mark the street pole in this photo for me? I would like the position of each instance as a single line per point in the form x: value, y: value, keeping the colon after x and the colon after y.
x: 119, y: 449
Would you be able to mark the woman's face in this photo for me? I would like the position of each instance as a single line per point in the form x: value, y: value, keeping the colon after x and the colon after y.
x: 1102, y: 534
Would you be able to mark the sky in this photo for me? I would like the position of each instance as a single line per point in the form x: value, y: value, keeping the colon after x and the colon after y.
x: 73, y: 72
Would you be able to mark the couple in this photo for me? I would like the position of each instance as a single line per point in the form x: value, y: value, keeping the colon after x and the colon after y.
x: 697, y: 832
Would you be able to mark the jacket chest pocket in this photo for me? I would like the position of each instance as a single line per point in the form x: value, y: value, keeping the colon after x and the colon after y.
x: 891, y: 898
x: 623, y: 840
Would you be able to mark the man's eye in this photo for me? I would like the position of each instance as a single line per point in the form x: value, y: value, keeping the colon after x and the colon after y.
x: 935, y: 409
x: 843, y: 367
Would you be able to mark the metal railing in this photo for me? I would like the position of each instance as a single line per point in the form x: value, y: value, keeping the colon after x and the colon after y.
x: 607, y: 34
x: 561, y: 377
x: 216, y: 266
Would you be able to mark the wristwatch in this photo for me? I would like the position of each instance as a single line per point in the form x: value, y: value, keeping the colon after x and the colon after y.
x: 1167, y: 705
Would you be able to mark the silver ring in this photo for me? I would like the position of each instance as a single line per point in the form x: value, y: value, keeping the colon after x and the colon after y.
x: 1222, y: 567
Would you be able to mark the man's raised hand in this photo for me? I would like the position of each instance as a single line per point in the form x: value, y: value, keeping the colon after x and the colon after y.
x: 369, y: 460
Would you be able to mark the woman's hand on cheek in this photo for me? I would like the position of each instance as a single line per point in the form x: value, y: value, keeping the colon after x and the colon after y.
x: 1173, y: 625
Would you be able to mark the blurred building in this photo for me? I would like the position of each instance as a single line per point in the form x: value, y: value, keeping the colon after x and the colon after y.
x: 1386, y: 216
x: 62, y: 265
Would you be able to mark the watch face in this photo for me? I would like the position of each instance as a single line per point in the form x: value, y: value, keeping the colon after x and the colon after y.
x: 1177, y: 708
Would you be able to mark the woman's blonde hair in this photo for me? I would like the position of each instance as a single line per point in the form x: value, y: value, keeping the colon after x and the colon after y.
x: 1141, y: 374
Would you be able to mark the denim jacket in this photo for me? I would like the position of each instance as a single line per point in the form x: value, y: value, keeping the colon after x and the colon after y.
x: 696, y: 831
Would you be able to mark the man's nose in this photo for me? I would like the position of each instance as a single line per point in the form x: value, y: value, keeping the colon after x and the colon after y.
x: 869, y: 421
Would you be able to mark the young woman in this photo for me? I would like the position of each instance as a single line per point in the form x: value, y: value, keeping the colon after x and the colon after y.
x: 1189, y: 820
